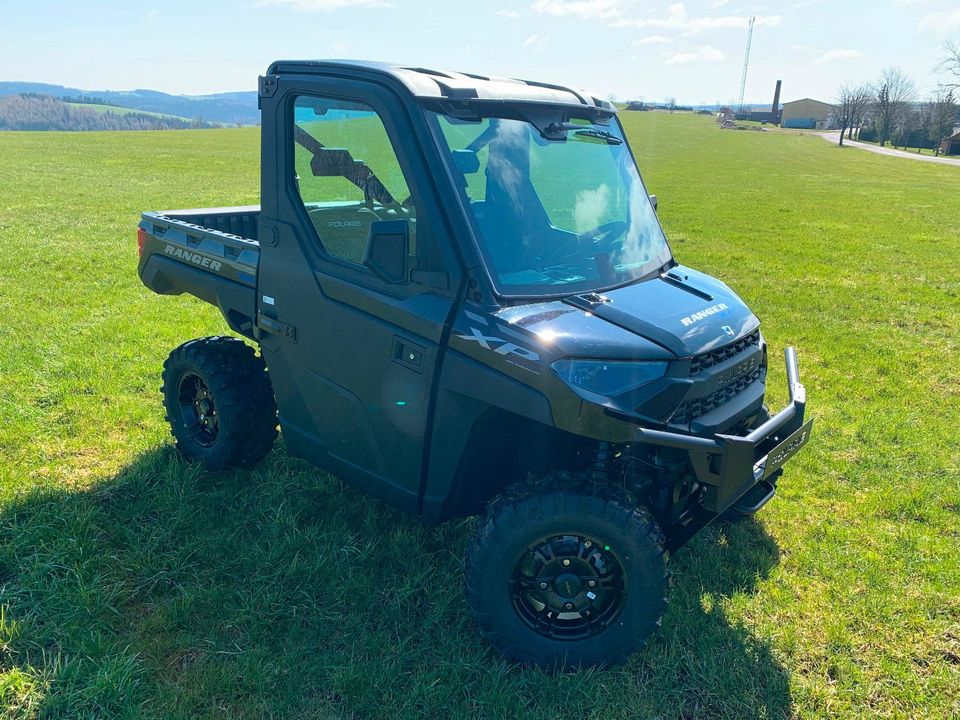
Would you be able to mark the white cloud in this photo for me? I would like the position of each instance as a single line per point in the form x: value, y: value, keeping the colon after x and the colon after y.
x: 536, y: 43
x: 678, y: 18
x: 327, y: 5
x: 718, y: 4
x: 942, y: 23
x: 705, y: 54
x: 651, y: 40
x: 509, y: 14
x: 838, y: 54
x: 591, y: 206
x: 580, y: 9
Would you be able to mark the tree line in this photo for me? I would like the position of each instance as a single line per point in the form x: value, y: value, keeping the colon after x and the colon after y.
x: 891, y: 110
x: 32, y: 111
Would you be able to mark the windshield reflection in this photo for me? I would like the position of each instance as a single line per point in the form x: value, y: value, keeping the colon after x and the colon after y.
x: 558, y: 214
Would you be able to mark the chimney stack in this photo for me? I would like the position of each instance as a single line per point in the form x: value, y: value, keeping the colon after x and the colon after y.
x: 776, y: 99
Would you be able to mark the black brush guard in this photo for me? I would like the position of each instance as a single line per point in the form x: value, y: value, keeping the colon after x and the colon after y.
x: 731, y: 466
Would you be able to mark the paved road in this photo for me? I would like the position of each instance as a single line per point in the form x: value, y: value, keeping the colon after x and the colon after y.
x: 834, y: 137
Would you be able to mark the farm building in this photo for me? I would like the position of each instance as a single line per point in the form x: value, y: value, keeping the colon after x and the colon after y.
x: 806, y: 114
x: 951, y: 145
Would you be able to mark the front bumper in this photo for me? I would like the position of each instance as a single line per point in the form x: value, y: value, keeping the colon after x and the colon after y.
x: 729, y: 466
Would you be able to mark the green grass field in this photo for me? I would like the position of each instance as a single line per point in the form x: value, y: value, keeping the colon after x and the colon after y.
x: 117, y: 110
x: 134, y: 586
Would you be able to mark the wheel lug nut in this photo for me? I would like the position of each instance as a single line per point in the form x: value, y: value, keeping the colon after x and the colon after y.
x: 543, y: 586
x: 568, y: 606
x: 587, y: 544
x: 592, y: 583
x: 566, y: 562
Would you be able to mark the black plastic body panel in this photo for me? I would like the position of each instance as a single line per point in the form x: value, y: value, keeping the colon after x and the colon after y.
x: 180, y: 255
x: 237, y: 302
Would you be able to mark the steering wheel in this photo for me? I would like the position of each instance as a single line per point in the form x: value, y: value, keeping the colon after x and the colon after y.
x: 603, y: 236
x: 598, y: 240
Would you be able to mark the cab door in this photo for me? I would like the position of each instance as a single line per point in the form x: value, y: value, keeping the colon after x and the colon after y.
x: 352, y: 355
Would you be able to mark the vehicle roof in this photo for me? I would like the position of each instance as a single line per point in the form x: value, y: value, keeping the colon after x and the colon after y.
x: 444, y: 84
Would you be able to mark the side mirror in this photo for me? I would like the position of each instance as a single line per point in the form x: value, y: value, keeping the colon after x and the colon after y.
x: 466, y: 161
x: 388, y: 245
x: 653, y: 201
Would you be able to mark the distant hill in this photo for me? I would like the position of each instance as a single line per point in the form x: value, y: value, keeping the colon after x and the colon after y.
x: 233, y: 108
x: 33, y: 111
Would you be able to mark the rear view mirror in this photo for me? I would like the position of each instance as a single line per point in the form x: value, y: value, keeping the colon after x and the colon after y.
x: 653, y: 201
x: 388, y: 246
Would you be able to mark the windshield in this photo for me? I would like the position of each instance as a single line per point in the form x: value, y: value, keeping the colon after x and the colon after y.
x: 554, y: 216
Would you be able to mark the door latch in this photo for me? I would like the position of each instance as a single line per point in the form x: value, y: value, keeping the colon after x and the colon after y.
x: 406, y: 353
x: 276, y: 327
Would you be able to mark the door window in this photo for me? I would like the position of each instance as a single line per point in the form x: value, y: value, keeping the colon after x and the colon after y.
x: 347, y: 174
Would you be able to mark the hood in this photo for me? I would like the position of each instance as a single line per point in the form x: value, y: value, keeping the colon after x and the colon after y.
x: 679, y: 314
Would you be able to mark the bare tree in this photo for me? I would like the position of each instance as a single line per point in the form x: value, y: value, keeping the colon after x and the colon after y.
x: 941, y: 116
x: 951, y: 65
x: 852, y: 102
x: 863, y: 116
x: 892, y: 95
x: 912, y: 125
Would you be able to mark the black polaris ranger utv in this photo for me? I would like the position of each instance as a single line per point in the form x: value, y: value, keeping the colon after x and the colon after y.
x: 465, y: 303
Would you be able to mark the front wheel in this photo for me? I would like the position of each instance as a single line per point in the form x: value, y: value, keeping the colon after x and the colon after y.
x: 562, y: 574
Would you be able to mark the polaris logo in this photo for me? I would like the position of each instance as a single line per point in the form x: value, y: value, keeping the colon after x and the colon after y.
x: 705, y: 313
x: 344, y: 223
x: 192, y: 257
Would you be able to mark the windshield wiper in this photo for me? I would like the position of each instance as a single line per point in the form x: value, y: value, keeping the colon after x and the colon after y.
x: 609, y: 138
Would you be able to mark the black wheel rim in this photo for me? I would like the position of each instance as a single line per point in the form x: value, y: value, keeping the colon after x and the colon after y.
x: 568, y: 587
x: 198, y: 410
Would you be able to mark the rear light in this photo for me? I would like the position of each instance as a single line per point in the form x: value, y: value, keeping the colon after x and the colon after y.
x: 141, y: 239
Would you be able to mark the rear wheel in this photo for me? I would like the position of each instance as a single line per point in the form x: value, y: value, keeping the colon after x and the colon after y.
x: 219, y: 402
x: 562, y: 574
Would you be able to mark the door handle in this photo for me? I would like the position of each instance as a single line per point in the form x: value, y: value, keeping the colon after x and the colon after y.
x: 276, y: 327
x: 408, y: 354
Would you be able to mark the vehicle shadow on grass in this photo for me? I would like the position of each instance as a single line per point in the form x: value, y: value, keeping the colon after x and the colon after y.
x: 166, y: 591
x: 716, y: 667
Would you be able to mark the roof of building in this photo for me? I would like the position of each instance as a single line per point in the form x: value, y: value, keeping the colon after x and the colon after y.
x: 444, y: 84
x: 809, y: 100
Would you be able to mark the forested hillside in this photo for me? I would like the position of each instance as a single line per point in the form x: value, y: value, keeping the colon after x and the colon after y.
x: 33, y: 111
x: 230, y: 108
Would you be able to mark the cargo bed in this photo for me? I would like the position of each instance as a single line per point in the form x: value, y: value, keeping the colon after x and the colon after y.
x: 211, y: 253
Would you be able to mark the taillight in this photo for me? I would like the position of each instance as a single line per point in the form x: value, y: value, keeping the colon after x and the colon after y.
x: 141, y: 239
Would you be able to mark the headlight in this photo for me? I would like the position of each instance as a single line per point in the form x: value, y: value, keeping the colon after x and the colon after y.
x: 608, y: 377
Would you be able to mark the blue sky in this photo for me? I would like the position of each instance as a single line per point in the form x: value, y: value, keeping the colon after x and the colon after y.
x: 627, y: 48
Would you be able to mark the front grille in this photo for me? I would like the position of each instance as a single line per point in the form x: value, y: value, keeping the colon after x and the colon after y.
x: 692, y: 409
x: 708, y: 359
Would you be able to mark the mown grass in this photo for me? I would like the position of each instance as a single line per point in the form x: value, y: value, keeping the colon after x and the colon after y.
x: 132, y: 585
